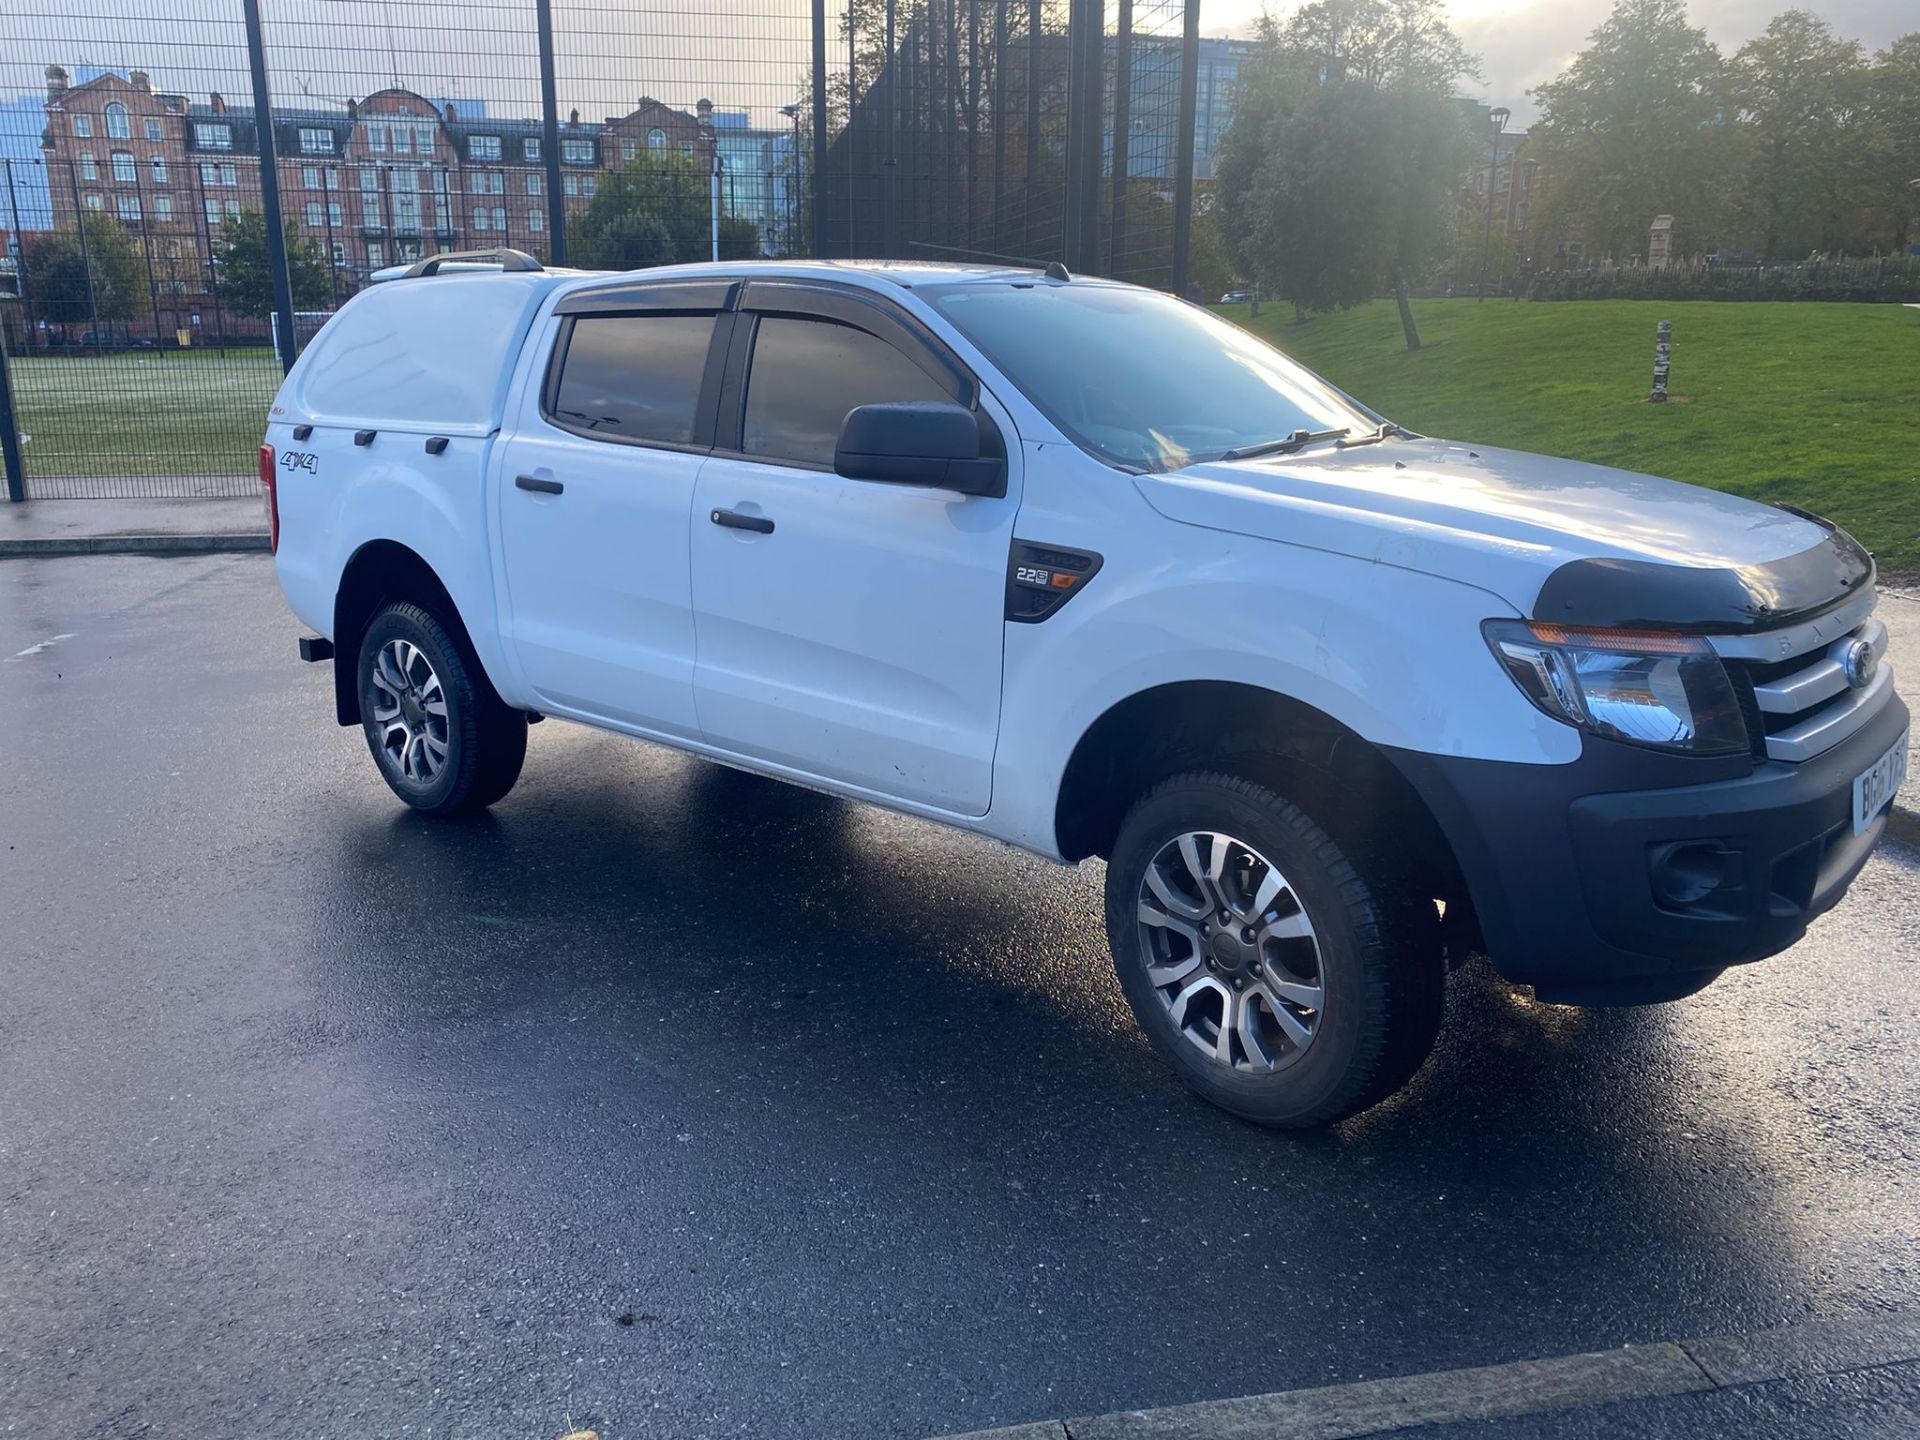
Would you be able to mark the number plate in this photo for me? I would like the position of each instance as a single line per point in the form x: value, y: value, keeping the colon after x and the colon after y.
x: 1875, y: 786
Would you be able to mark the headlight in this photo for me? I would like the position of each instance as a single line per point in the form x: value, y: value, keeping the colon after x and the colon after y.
x: 1666, y: 691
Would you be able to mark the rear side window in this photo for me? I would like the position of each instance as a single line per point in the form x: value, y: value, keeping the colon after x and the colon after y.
x: 634, y: 377
x: 807, y: 374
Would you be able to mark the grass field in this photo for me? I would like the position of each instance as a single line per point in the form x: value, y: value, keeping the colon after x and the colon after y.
x: 1814, y: 404
x: 185, y: 422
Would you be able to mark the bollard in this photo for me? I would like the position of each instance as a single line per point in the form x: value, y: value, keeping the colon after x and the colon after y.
x: 1662, y: 360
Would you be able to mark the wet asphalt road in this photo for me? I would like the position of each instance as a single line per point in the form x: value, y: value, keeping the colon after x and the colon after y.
x: 677, y: 1103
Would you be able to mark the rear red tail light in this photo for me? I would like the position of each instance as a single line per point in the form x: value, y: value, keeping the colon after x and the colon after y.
x: 268, y: 476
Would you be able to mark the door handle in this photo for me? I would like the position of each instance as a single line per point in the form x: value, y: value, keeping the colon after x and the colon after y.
x: 534, y: 482
x: 734, y: 520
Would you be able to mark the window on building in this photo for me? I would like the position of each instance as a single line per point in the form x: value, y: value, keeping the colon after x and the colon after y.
x: 656, y: 139
x: 333, y: 213
x: 123, y: 171
x: 376, y: 253
x: 89, y: 166
x: 209, y: 173
x: 533, y: 148
x: 589, y: 185
x: 570, y: 184
x: 210, y: 136
x: 155, y: 131
x: 158, y: 164
x: 627, y: 149
x: 128, y: 207
x: 314, y: 214
x: 333, y: 177
x: 533, y: 184
x: 339, y: 252
x: 423, y: 141
x: 402, y: 138
x: 483, y: 147
x: 376, y: 136
x: 119, y: 125
x: 233, y: 209
x: 229, y: 175
x: 634, y: 377
x: 213, y: 212
x: 310, y: 177
x: 480, y: 214
x: 316, y: 140
x: 577, y: 152
x: 536, y: 221
x: 83, y: 126
x: 477, y: 182
x: 499, y: 182
x: 163, y: 207
x: 94, y: 202
x: 807, y: 374
x: 500, y: 219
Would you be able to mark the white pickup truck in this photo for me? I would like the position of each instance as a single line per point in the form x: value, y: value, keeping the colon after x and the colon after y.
x: 1089, y: 570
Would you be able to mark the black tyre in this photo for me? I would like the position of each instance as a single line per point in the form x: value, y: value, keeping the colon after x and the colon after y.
x: 444, y: 741
x: 1286, y: 981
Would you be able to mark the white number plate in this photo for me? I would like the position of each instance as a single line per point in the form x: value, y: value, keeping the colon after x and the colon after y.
x: 1878, y: 784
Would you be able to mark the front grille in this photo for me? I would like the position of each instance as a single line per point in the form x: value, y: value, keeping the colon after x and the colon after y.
x: 1802, y: 702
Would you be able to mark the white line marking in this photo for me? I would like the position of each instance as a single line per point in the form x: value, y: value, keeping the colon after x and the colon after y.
x: 46, y: 644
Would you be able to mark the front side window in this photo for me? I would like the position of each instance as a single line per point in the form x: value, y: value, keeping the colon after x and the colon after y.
x: 1145, y: 381
x: 634, y: 377
x: 807, y: 374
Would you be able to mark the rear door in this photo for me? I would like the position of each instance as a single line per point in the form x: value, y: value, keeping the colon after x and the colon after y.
x: 847, y: 629
x: 596, y: 487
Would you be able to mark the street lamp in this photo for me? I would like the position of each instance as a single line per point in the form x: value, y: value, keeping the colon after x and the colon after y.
x: 1499, y: 118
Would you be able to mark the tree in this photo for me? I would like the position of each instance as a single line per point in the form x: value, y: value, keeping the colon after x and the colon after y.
x: 99, y: 280
x: 246, y: 270
x: 1638, y: 125
x: 1892, y: 125
x: 1337, y: 178
x: 657, y: 209
x: 1799, y: 87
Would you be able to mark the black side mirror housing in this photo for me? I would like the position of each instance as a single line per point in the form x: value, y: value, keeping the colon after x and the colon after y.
x: 931, y: 443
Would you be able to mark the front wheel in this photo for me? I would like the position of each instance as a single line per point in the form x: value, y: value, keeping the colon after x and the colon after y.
x: 444, y: 741
x: 1284, y: 981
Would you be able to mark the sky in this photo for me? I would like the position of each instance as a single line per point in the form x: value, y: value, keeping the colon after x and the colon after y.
x: 1525, y: 43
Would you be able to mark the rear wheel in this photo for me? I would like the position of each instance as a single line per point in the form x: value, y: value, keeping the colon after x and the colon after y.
x: 1285, y: 981
x: 444, y: 741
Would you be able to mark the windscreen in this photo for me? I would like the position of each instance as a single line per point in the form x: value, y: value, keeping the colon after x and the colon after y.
x: 1141, y: 379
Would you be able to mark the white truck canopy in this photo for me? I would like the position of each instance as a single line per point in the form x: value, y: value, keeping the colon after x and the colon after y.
x: 433, y: 355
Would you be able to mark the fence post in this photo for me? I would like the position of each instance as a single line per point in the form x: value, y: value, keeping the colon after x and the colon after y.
x: 1183, y: 146
x: 287, y: 342
x: 1087, y: 41
x: 10, y: 431
x: 20, y: 244
x: 1036, y: 24
x: 1122, y: 118
x: 550, y: 133
x: 819, y: 129
x: 889, y: 239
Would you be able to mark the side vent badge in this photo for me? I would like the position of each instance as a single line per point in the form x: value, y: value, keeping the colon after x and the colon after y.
x: 1042, y: 578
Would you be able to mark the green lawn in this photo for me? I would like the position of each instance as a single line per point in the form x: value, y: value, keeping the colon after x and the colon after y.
x: 164, y: 420
x: 1815, y: 404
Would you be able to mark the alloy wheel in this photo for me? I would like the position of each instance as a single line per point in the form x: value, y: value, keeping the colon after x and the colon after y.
x: 410, y: 712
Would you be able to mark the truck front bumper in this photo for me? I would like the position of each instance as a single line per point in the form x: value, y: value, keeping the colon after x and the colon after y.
x: 1631, y: 875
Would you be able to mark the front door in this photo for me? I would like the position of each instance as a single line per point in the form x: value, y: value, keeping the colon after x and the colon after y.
x: 847, y: 629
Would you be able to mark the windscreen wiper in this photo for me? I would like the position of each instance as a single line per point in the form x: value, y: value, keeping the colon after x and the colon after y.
x: 1286, y: 444
x: 1387, y: 427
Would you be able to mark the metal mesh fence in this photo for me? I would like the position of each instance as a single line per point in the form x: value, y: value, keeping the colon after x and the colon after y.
x: 139, y: 312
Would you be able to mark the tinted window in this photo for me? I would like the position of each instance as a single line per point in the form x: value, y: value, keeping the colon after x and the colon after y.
x: 634, y: 377
x: 806, y: 376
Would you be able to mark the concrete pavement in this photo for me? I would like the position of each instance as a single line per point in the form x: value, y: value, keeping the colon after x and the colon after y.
x: 132, y: 527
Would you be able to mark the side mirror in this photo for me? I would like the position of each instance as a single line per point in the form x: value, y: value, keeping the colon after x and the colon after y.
x: 936, y: 444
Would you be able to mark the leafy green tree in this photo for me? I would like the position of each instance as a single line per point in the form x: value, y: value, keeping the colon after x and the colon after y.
x: 1639, y: 125
x: 1891, y: 103
x: 100, y: 283
x: 656, y: 210
x: 1799, y: 87
x: 246, y: 270
x: 1338, y: 176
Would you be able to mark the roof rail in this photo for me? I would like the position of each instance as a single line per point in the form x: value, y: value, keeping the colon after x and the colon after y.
x: 506, y: 259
